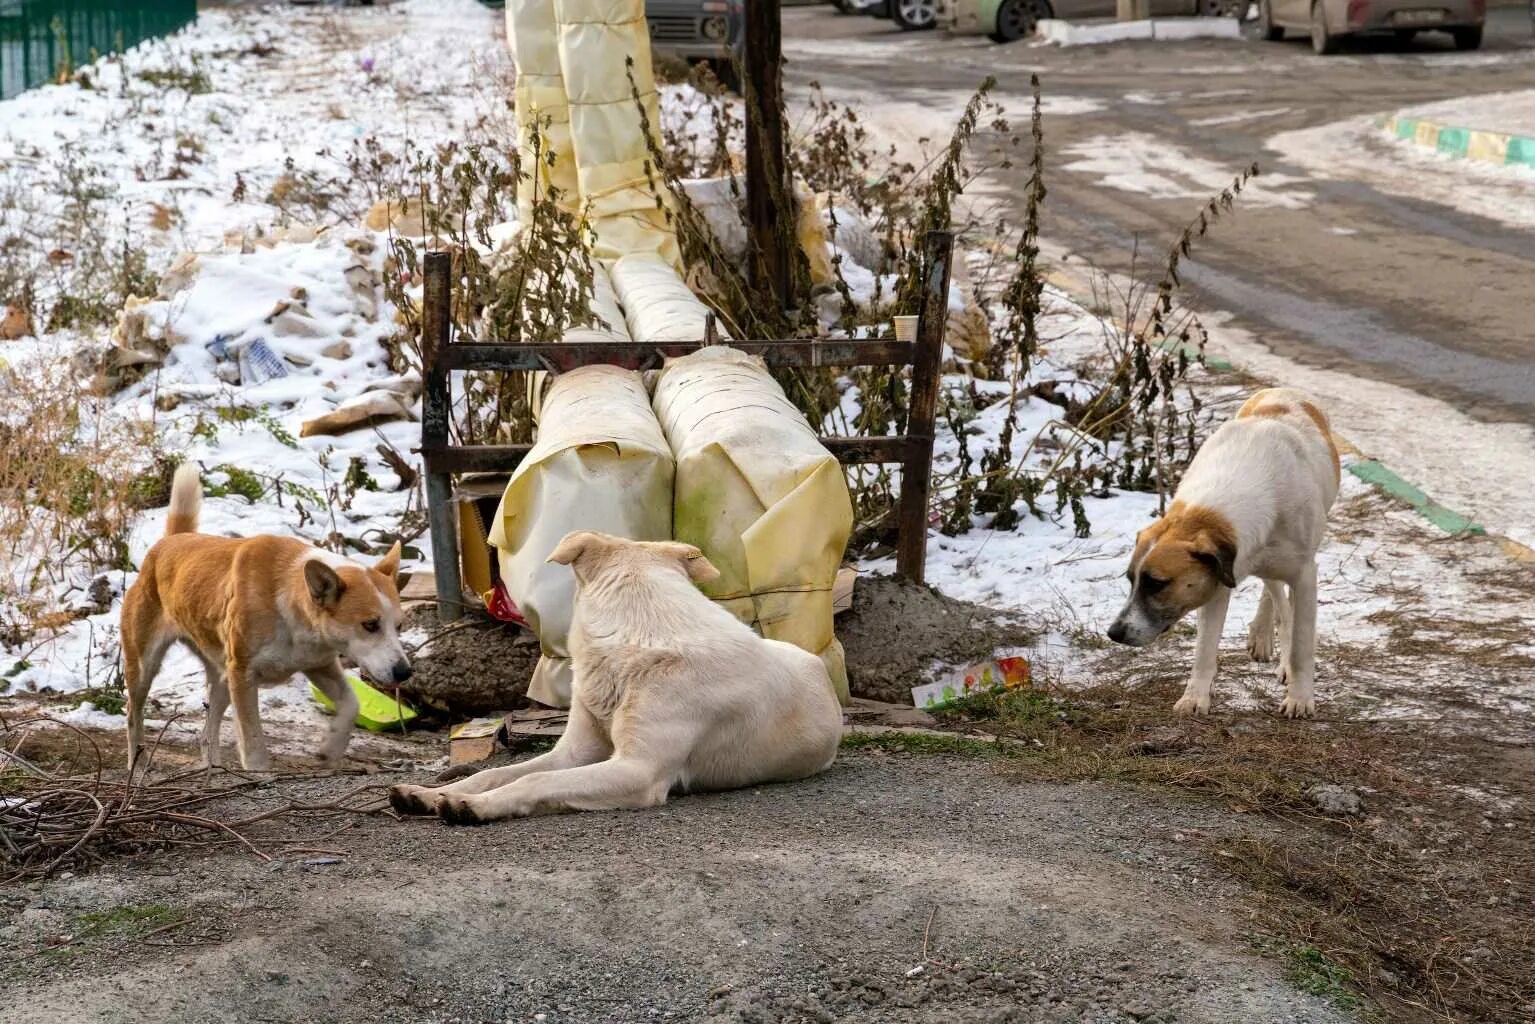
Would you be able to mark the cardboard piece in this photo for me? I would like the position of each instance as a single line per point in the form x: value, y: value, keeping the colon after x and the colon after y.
x: 475, y: 740
x: 982, y: 677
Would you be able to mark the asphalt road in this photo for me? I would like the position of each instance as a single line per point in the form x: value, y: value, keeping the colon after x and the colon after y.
x: 1330, y: 271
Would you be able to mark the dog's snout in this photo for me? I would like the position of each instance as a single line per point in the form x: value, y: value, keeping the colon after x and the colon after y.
x: 401, y: 671
x: 1117, y: 632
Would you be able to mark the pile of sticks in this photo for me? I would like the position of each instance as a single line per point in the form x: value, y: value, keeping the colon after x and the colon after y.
x: 50, y: 821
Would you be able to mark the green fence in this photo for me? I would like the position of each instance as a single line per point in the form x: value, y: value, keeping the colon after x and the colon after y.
x: 40, y: 37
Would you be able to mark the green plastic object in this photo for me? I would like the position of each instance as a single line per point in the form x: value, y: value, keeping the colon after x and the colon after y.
x: 376, y: 711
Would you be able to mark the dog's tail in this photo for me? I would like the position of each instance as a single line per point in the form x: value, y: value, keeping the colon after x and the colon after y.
x: 186, y: 500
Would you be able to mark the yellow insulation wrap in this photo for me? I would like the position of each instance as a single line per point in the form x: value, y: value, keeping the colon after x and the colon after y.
x: 597, y: 38
x: 659, y: 304
x: 757, y: 492
x: 533, y: 37
x: 601, y: 463
x: 605, y: 307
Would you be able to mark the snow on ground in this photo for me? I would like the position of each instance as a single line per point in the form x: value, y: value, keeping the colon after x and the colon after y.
x: 1358, y: 149
x: 265, y: 95
x: 1512, y: 112
x: 1138, y: 162
x: 1239, y: 117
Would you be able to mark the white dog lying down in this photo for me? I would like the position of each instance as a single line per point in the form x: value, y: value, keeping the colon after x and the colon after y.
x: 671, y: 692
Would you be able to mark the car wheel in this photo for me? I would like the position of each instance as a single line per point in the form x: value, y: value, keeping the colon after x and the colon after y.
x: 1272, y: 32
x: 914, y: 15
x: 1467, y: 38
x: 1322, y: 41
x: 1018, y: 19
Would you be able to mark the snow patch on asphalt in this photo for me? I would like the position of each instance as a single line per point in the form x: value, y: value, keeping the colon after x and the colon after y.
x: 1357, y: 149
x: 1143, y: 163
x: 1239, y: 117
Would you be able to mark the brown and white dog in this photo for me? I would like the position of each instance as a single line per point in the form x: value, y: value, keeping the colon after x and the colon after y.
x: 256, y: 610
x: 1253, y: 502
x: 670, y: 692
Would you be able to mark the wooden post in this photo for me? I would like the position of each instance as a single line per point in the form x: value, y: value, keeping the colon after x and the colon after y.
x: 1132, y: 10
x: 770, y: 220
x: 436, y: 410
x: 916, y: 471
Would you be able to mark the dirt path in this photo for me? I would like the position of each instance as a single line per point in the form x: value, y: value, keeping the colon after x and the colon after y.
x: 806, y: 902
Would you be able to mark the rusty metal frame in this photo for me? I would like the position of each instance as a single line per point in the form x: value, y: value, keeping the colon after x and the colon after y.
x: 440, y: 355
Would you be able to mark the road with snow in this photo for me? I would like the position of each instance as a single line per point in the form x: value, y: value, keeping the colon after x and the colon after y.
x: 1391, y: 280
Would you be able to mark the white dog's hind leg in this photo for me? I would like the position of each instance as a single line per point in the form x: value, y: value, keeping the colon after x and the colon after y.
x: 621, y: 783
x: 1299, y: 665
x: 1260, y: 632
x: 583, y: 742
x: 1212, y: 620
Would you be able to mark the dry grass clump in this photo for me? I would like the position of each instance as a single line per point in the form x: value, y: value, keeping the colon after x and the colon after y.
x: 72, y: 478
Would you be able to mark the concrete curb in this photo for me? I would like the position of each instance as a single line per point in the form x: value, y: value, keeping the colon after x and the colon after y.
x: 1371, y: 471
x: 1081, y: 33
x: 1468, y: 143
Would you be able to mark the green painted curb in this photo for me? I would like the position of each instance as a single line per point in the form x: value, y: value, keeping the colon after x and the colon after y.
x: 1468, y: 143
x: 1377, y: 475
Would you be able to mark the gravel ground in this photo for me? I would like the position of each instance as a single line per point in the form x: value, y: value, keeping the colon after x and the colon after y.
x: 810, y: 902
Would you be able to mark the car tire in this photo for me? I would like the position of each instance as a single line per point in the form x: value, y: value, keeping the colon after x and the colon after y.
x: 1018, y: 19
x: 1266, y: 27
x: 1322, y: 41
x: 1467, y: 38
x: 914, y: 15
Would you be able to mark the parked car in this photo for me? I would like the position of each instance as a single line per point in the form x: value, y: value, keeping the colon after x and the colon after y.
x: 1008, y: 20
x: 913, y: 15
x: 1329, y: 21
x: 695, y: 30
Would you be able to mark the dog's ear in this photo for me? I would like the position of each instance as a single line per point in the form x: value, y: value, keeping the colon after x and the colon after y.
x: 1219, y: 554
x: 572, y: 547
x: 698, y: 568
x: 324, y: 584
x: 389, y: 565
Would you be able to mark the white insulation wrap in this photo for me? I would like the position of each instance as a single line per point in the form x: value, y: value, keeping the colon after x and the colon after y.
x: 605, y: 307
x: 660, y: 305
x: 533, y: 37
x: 597, y: 40
x: 601, y: 463
x: 757, y: 492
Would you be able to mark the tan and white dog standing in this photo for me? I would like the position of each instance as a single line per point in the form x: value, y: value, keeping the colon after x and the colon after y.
x: 1253, y: 502
x: 670, y: 692
x: 256, y: 610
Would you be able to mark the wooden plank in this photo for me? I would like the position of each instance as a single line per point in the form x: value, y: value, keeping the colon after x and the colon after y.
x: 916, y: 475
x: 769, y: 212
x: 503, y: 458
x: 436, y: 410
x: 558, y: 358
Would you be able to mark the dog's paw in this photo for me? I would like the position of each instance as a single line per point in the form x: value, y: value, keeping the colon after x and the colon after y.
x: 457, y: 810
x: 412, y: 800
x: 1260, y: 645
x: 1298, y: 707
x: 1188, y: 705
